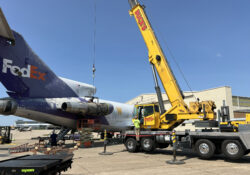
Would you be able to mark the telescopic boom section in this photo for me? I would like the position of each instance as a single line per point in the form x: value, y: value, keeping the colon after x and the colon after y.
x: 156, y: 55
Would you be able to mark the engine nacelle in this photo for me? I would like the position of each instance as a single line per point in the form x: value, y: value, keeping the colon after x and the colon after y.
x: 8, y: 107
x: 91, y: 109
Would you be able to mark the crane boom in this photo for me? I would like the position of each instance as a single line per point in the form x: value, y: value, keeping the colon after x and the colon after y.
x: 157, y: 57
x: 179, y: 110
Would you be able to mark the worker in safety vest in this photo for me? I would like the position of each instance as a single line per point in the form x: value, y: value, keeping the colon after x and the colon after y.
x: 137, y: 122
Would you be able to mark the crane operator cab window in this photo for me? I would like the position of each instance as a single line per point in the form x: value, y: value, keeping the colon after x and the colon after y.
x: 157, y: 108
x: 139, y: 111
x: 146, y: 114
x: 148, y: 110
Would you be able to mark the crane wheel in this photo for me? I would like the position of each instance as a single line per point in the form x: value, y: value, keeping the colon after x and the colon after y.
x: 147, y: 144
x: 131, y: 145
x: 232, y: 149
x: 205, y: 148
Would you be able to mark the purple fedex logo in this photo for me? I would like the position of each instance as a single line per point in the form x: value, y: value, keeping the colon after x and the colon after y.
x: 28, y: 72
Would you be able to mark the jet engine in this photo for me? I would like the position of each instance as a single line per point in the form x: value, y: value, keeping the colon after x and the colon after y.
x: 91, y: 109
x: 8, y: 107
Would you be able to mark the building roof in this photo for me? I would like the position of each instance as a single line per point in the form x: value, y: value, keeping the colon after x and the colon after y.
x: 187, y: 94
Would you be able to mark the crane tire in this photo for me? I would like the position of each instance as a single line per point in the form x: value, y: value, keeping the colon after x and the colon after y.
x: 147, y: 144
x: 131, y: 145
x: 205, y: 148
x: 232, y: 149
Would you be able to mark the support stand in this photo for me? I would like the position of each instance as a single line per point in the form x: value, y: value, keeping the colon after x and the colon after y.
x: 105, y: 145
x: 174, y: 161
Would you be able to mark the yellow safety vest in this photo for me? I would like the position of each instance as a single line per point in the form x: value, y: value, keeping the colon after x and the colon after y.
x: 136, y: 123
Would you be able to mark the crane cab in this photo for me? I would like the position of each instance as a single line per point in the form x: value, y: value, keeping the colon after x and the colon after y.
x: 149, y: 115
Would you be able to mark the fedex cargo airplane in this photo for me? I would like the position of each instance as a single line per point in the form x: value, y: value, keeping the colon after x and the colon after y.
x: 36, y: 93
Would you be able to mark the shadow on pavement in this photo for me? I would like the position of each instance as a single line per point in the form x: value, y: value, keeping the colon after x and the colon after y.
x: 189, y: 154
x: 96, y: 144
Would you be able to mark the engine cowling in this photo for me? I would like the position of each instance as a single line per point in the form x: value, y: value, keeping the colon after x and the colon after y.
x: 8, y: 107
x: 91, y: 109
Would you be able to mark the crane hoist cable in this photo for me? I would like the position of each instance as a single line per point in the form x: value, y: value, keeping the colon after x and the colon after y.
x: 94, y: 45
x: 176, y: 63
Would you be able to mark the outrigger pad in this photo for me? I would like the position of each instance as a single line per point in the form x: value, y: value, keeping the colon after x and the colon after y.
x: 5, y: 30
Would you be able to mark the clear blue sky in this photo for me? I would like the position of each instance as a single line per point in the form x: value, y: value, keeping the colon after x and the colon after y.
x: 210, y: 40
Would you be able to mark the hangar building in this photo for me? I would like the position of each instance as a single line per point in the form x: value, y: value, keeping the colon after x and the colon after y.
x: 239, y: 106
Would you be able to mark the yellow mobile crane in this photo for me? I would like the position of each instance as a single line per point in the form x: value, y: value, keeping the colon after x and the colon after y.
x: 179, y: 111
x: 158, y: 124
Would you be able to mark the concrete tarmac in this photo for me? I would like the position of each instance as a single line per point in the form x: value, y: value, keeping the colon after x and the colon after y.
x: 87, y: 161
